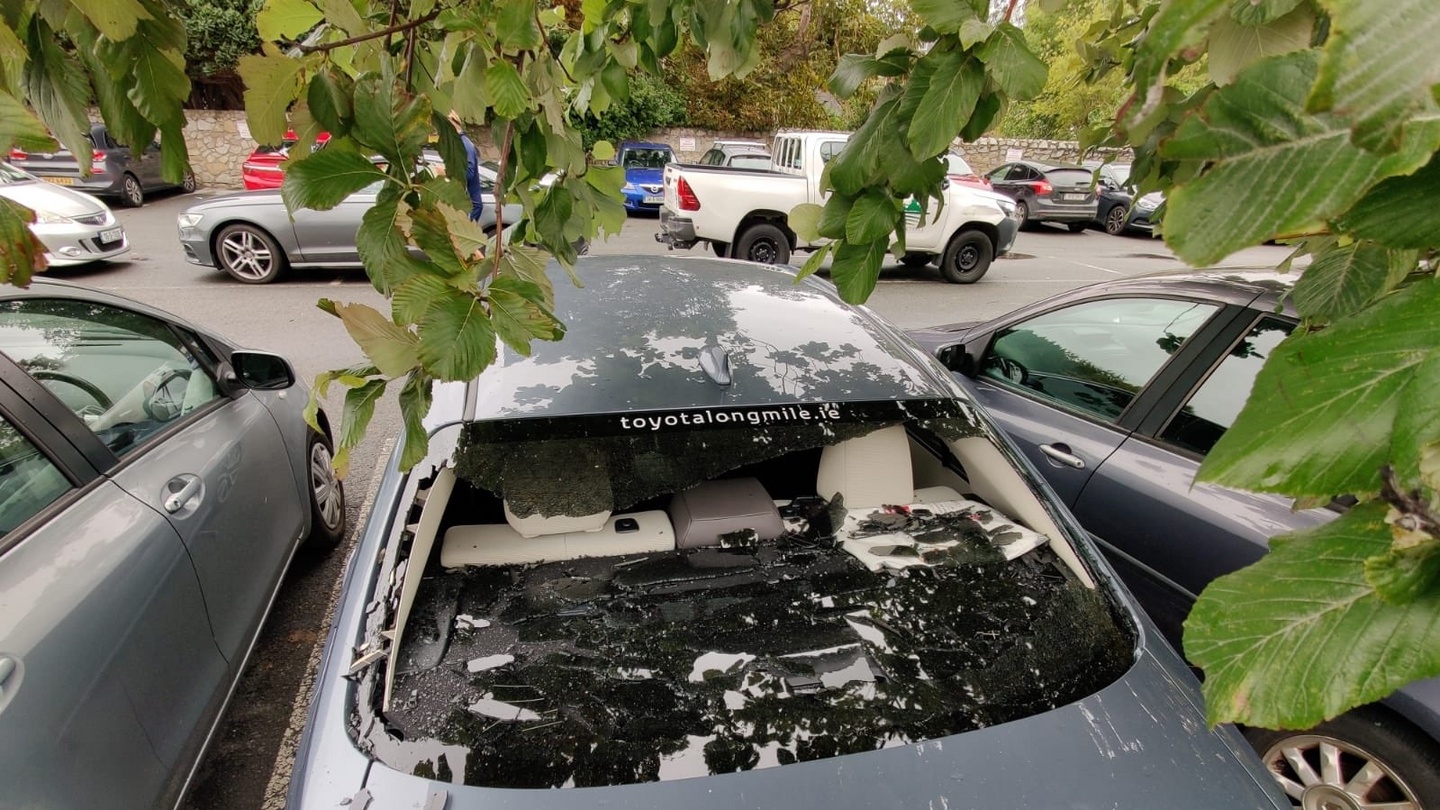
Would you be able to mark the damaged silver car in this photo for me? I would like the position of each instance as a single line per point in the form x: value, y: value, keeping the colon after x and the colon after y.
x: 735, y: 543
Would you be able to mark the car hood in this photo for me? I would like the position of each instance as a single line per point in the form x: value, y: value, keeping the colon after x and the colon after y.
x: 42, y: 196
x: 646, y: 176
x: 241, y: 198
x: 1140, y: 743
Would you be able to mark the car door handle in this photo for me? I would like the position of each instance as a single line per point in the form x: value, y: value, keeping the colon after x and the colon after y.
x: 178, y: 499
x: 1061, y: 454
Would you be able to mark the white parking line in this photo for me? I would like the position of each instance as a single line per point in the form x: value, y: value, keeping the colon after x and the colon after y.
x: 279, y: 782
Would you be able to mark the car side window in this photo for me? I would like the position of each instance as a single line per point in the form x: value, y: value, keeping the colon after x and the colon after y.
x: 1093, y: 357
x: 29, y: 481
x: 126, y: 375
x: 1215, y: 404
x: 829, y: 149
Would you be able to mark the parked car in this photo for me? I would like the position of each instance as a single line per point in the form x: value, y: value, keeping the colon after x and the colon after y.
x: 745, y: 213
x: 115, y: 169
x: 1117, y: 211
x: 643, y: 164
x: 721, y: 151
x: 788, y: 565
x: 252, y: 236
x: 155, y: 483
x: 74, y: 227
x: 1116, y: 392
x: 750, y: 160
x: 957, y: 170
x: 262, y: 169
x: 1047, y: 192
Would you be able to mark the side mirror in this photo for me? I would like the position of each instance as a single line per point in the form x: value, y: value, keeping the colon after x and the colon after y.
x: 960, y: 359
x: 261, y: 371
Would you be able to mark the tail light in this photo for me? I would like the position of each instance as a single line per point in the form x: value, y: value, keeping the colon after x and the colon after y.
x: 688, y: 200
x: 1042, y: 188
x: 18, y: 154
x: 97, y: 162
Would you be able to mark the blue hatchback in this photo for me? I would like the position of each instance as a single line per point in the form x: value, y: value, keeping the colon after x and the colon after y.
x: 644, y: 165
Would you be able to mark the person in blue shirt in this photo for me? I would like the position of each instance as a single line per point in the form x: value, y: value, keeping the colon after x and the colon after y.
x: 472, y: 169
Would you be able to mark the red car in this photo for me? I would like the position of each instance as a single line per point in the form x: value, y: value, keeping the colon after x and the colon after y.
x: 262, y: 169
x: 960, y: 172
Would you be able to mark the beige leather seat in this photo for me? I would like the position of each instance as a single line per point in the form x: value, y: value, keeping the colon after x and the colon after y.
x: 869, y: 471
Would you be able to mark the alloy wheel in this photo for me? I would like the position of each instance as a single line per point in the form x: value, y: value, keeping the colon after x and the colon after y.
x: 1320, y: 772
x: 329, y: 503
x: 246, y: 254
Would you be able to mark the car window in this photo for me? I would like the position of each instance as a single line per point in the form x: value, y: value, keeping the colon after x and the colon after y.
x: 1216, y: 403
x: 711, y: 157
x: 647, y: 158
x: 829, y: 149
x: 954, y: 164
x: 1069, y: 177
x: 750, y: 161
x: 1095, y: 356
x: 126, y: 375
x: 29, y: 481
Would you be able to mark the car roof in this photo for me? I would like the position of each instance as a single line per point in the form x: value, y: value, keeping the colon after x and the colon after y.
x: 635, y: 333
x: 644, y: 145
x: 1046, y: 165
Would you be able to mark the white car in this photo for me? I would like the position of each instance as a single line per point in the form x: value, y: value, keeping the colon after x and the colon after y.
x: 75, y: 227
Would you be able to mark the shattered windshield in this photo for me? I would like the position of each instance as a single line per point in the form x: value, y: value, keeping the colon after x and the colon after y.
x: 798, y: 624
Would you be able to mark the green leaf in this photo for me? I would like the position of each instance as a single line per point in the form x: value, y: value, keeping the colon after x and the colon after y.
x: 1301, y: 636
x: 1341, y: 281
x: 359, y: 409
x: 1417, y: 422
x: 472, y: 92
x: 945, y: 16
x: 57, y: 89
x: 21, y: 253
x: 854, y: 70
x: 415, y: 400
x: 1177, y: 25
x: 342, y: 15
x: 457, y: 340
x: 1409, y: 567
x: 323, y: 179
x: 1018, y: 71
x: 946, y: 103
x: 330, y: 99
x: 875, y: 215
x: 1234, y: 46
x: 393, y: 349
x: 383, y: 249
x: 525, y: 263
x: 984, y: 115
x: 390, y: 120
x: 508, y: 91
x: 804, y: 220
x: 414, y: 296
x: 973, y: 31
x: 1323, y: 418
x: 19, y: 126
x: 1288, y: 168
x: 813, y: 264
x: 834, y: 216
x: 116, y: 19
x: 856, y: 269
x: 1261, y: 12
x: 516, y: 28
x: 1379, y: 68
x: 517, y: 308
x: 160, y: 84
x: 603, y: 151
x: 1389, y: 213
x: 431, y: 231
x: 451, y: 148
x: 270, y: 85
x: 285, y: 19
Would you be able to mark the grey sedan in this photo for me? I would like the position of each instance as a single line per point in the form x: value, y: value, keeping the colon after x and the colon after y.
x: 251, y: 235
x: 74, y: 227
x: 734, y: 543
x: 1116, y: 392
x: 116, y: 170
x: 155, y: 482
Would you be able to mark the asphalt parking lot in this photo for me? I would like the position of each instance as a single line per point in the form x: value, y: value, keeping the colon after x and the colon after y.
x: 248, y: 763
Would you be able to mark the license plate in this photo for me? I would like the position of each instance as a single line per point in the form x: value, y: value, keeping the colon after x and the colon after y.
x: 60, y: 181
x: 1074, y: 197
x: 654, y: 198
x: 112, y: 235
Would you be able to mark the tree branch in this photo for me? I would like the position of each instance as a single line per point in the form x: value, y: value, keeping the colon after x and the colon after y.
x: 385, y: 32
x: 500, y: 198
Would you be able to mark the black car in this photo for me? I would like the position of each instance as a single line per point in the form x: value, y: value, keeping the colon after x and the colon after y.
x: 735, y: 543
x: 1118, y: 211
x: 1116, y: 392
x: 115, y: 169
x: 1047, y: 192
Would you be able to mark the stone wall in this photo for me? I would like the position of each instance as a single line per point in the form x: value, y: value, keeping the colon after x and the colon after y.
x: 219, y: 142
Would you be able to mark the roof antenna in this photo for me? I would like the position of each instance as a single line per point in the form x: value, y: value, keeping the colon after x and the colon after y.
x: 716, y: 364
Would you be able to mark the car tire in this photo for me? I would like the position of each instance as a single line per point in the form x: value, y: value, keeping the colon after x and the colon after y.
x: 1408, y: 760
x: 131, y: 194
x: 967, y: 258
x: 1022, y: 214
x: 1078, y: 227
x: 188, y: 184
x: 916, y: 259
x: 327, y: 494
x: 763, y: 243
x: 1115, y: 220
x: 249, y: 254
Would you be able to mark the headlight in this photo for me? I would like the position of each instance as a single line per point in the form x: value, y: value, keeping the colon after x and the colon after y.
x: 189, y: 220
x: 1007, y: 206
x: 50, y: 218
x: 631, y: 187
x: 1146, y: 205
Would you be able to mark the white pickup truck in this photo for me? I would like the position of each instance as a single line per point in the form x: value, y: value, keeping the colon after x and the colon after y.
x: 744, y: 213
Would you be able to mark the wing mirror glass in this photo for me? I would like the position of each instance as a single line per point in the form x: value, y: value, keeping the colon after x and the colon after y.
x: 262, y: 371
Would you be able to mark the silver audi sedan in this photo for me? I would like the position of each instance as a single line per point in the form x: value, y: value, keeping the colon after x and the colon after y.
x: 251, y: 235
x: 75, y: 227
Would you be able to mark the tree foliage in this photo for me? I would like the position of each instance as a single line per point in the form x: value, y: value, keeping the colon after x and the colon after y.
x: 218, y: 33
x: 1319, y: 123
x: 653, y: 103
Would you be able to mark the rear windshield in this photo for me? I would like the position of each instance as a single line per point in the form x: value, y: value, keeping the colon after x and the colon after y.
x: 647, y: 158
x: 1069, y: 177
x: 654, y: 596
